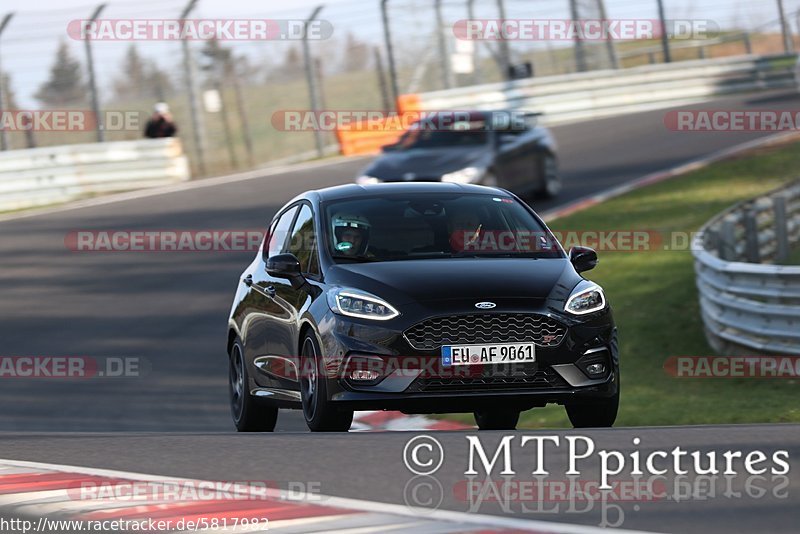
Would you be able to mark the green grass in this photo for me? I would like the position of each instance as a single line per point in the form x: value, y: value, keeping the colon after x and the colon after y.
x: 655, y: 304
x: 794, y: 257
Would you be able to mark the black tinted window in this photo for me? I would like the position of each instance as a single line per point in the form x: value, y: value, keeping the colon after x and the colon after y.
x: 277, y: 237
x: 303, y: 242
x: 435, y: 226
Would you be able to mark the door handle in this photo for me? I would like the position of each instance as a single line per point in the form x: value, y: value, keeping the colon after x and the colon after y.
x: 248, y: 280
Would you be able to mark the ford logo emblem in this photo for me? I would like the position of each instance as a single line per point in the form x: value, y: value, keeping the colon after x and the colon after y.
x: 485, y: 305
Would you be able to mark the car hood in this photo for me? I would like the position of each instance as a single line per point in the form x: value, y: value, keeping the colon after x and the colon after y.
x: 477, y: 279
x: 427, y: 164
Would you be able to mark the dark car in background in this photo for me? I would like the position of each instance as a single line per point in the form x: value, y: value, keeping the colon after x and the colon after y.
x: 423, y: 298
x: 492, y: 148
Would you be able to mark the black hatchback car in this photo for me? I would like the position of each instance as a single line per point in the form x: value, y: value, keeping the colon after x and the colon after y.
x: 423, y: 298
x: 494, y: 148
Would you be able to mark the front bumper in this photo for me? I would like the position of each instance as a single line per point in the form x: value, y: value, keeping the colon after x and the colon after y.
x: 414, y: 381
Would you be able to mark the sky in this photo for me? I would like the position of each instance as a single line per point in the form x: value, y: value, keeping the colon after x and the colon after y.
x: 28, y: 46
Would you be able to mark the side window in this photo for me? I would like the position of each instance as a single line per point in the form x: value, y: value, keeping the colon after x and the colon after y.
x: 277, y: 237
x: 303, y: 242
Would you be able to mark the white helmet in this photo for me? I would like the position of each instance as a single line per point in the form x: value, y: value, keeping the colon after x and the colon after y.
x: 345, y: 221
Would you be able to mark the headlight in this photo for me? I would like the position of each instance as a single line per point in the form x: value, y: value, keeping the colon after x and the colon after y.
x: 464, y: 176
x: 354, y: 303
x: 585, y: 298
x: 364, y: 180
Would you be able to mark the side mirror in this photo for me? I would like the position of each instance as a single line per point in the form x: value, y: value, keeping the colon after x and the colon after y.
x: 283, y: 266
x: 583, y: 258
x: 390, y: 147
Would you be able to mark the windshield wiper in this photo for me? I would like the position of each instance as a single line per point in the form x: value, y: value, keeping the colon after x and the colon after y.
x: 356, y: 259
x: 477, y: 254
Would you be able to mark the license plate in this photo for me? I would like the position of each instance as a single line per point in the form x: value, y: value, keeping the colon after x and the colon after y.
x: 488, y: 354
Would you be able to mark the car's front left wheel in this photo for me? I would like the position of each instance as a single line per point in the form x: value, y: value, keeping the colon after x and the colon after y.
x: 318, y: 412
x: 250, y: 413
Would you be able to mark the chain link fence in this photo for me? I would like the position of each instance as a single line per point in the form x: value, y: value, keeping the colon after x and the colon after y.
x: 239, y: 85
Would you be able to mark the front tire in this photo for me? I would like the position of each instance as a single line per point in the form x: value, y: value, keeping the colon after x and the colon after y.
x: 318, y: 412
x: 250, y: 414
x: 600, y: 414
x: 497, y: 419
x: 551, y: 179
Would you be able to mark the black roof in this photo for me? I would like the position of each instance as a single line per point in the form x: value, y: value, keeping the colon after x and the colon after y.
x: 401, y: 188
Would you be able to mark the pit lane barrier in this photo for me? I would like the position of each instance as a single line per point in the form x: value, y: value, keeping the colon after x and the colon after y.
x: 748, y: 301
x: 592, y: 95
x: 48, y: 175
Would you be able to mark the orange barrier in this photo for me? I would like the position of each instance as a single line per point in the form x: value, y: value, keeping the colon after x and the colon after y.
x: 367, y: 137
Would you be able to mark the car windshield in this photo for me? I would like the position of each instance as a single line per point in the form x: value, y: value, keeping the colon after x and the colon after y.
x: 424, y: 226
x: 420, y: 138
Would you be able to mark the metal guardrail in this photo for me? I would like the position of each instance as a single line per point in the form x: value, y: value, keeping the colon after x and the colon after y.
x: 747, y: 301
x: 47, y: 175
x: 590, y: 95
x: 651, y: 52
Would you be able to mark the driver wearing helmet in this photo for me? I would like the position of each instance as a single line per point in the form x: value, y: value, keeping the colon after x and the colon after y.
x: 350, y: 234
x: 465, y: 228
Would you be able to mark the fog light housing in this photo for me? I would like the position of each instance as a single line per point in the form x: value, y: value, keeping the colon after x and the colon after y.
x: 363, y: 370
x: 596, y: 369
x: 364, y: 375
x: 596, y: 363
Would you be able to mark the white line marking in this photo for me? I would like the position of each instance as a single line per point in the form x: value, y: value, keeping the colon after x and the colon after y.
x: 346, y: 503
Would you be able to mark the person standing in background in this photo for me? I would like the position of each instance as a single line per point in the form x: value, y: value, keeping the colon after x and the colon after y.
x: 161, y: 123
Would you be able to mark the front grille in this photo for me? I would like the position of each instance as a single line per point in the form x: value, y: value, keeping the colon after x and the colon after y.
x: 518, y: 379
x: 485, y: 328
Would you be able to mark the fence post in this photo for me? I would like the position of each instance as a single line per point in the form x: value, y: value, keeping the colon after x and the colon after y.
x: 87, y: 41
x: 611, y: 46
x: 311, y: 79
x: 444, y: 53
x: 198, y: 124
x: 664, y: 37
x: 240, y: 107
x: 476, y: 75
x: 384, y: 88
x: 781, y: 228
x: 580, y: 51
x: 3, y: 105
x: 752, y: 252
x: 788, y: 42
x: 505, y: 50
x: 387, y: 36
x: 727, y: 240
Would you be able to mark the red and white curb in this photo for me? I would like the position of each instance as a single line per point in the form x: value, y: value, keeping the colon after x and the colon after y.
x: 390, y: 420
x: 51, y: 493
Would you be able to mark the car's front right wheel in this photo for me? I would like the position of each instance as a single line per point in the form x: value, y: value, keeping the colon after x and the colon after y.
x: 318, y: 412
x: 551, y: 179
x: 600, y: 414
x: 497, y: 419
